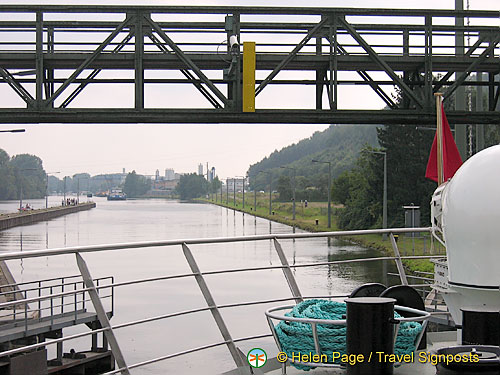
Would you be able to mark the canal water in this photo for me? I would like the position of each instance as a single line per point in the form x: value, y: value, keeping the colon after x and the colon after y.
x: 146, y: 220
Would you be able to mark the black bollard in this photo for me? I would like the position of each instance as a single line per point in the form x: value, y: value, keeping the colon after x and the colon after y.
x: 370, y: 333
x: 480, y: 326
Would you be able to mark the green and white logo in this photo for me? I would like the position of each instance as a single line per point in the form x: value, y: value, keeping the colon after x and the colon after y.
x: 257, y: 357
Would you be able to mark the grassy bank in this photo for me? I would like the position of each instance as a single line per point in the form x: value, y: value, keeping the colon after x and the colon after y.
x: 313, y: 218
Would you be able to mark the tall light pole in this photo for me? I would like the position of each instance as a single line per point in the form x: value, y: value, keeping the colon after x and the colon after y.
x: 234, y: 192
x: 227, y: 191
x: 329, y: 189
x: 384, y: 204
x: 270, y: 190
x: 47, y: 188
x: 255, y: 198
x: 21, y: 186
x: 64, y: 190
x: 243, y: 188
x: 294, y: 175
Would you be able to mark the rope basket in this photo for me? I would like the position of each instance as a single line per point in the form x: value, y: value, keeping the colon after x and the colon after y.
x: 297, y: 337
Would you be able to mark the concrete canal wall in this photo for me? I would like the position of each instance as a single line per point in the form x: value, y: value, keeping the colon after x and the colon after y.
x: 33, y: 216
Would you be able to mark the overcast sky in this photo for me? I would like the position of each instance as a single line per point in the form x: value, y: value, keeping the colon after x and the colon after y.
x: 230, y: 148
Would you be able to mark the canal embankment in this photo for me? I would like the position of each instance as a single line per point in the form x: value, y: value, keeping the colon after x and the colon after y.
x: 33, y: 216
x: 15, y: 219
x: 313, y: 218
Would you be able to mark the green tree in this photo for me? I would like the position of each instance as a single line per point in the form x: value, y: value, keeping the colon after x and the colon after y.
x: 192, y: 186
x: 284, y: 188
x: 408, y: 151
x: 215, y: 185
x: 29, y: 175
x: 136, y: 185
x: 358, y: 189
x: 8, y: 187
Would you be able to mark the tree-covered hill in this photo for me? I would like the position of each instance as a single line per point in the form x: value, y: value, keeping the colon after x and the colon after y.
x: 339, y: 144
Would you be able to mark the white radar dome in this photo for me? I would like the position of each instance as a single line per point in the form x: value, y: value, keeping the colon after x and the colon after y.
x: 471, y: 221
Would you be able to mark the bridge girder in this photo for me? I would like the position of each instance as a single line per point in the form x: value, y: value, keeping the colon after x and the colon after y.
x: 60, y: 59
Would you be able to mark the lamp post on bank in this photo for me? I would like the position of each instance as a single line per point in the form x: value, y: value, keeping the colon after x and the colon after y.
x: 243, y: 188
x: 329, y: 189
x: 384, y: 202
x: 21, y: 186
x: 270, y: 190
x: 293, y: 196
x: 47, y: 188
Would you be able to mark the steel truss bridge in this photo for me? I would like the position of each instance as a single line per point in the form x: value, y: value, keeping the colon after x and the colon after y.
x: 61, y: 64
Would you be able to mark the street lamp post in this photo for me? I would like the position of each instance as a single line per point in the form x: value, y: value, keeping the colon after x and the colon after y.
x: 270, y: 190
x: 47, y: 188
x: 234, y: 192
x: 64, y: 196
x: 227, y: 191
x: 329, y: 189
x: 293, y: 197
x: 243, y: 188
x: 384, y: 204
x: 254, y: 200
x: 21, y: 186
x: 243, y: 192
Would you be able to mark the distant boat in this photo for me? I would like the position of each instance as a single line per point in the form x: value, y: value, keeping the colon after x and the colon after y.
x: 116, y: 195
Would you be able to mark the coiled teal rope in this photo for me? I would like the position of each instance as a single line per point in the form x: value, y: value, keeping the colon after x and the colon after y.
x: 296, y: 337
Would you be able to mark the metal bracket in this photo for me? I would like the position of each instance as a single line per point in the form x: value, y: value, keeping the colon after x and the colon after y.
x: 213, y: 306
x: 101, y: 314
x: 399, y: 263
x: 290, y: 279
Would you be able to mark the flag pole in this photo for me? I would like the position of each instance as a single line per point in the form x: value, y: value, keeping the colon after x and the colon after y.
x: 439, y: 135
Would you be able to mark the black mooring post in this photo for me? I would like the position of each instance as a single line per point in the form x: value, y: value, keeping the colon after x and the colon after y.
x: 480, y: 326
x: 370, y: 332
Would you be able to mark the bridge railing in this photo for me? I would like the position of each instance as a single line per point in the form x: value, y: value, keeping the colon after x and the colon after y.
x: 94, y: 288
x: 49, y: 299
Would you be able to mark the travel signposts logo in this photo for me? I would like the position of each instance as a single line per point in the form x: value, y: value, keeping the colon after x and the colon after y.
x: 257, y: 357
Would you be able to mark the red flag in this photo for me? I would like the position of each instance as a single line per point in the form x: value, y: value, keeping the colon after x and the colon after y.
x: 451, y: 157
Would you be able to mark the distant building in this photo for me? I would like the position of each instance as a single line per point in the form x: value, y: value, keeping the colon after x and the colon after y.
x: 157, y: 175
x: 231, y: 182
x: 200, y: 169
x: 211, y: 174
x: 169, y: 174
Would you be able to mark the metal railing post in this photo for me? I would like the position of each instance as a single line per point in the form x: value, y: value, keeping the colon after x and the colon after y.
x: 51, y: 308
x: 213, y: 306
x: 101, y: 314
x: 399, y: 263
x: 25, y: 317
x: 62, y: 297
x: 290, y: 279
x: 76, y: 303
x: 39, y: 301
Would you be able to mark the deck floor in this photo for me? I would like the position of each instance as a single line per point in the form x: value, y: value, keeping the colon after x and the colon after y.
x: 36, y: 327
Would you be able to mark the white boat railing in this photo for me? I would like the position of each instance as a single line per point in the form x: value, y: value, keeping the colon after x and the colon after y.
x: 94, y: 292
